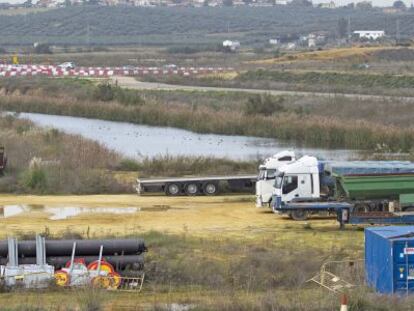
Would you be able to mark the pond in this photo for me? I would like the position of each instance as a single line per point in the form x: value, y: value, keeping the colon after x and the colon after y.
x: 135, y: 141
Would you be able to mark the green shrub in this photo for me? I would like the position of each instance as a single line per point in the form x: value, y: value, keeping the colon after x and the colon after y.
x: 104, y: 92
x: 264, y: 105
x: 35, y: 179
x: 129, y: 165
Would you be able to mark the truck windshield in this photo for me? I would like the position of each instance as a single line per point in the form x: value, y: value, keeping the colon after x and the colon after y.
x: 278, y: 180
x: 271, y: 174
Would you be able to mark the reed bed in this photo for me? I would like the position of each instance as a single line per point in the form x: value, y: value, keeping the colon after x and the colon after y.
x: 48, y: 161
x: 167, y: 165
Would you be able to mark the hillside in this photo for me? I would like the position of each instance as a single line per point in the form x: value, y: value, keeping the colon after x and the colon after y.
x: 160, y: 26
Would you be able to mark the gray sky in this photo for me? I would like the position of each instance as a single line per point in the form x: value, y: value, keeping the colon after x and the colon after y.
x: 338, y: 2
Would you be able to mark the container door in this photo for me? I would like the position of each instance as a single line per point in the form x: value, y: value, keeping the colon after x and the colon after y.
x: 403, y: 270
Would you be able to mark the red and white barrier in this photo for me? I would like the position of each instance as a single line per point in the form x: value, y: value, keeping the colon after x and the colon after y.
x: 7, y: 70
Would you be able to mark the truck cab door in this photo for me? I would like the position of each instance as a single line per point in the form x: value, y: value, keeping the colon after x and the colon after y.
x: 305, y: 186
x: 290, y: 188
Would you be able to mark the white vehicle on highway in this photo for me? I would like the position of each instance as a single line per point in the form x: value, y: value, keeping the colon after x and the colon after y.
x: 67, y: 65
x: 267, y: 173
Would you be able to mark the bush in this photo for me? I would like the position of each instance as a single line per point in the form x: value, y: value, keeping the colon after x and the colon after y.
x: 264, y: 105
x: 35, y: 179
x: 129, y: 165
x: 104, y: 92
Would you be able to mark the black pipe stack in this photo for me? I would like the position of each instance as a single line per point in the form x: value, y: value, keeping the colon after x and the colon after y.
x: 121, y: 253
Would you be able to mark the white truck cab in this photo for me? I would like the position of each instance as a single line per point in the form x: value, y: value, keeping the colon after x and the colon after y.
x: 298, y: 180
x: 267, y: 173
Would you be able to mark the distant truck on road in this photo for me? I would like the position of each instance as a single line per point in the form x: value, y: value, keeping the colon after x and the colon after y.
x: 3, y: 160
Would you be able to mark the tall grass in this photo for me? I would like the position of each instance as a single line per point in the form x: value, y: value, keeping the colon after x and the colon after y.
x: 47, y: 161
x: 167, y: 165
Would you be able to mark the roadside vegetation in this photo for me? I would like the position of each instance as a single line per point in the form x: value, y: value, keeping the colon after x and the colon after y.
x: 295, y: 119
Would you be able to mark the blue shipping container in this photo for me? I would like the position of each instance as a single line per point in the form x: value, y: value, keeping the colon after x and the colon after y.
x: 389, y: 259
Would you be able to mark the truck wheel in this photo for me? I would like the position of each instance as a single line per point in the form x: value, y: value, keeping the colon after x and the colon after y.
x: 191, y: 189
x: 299, y: 215
x: 173, y: 189
x: 210, y: 188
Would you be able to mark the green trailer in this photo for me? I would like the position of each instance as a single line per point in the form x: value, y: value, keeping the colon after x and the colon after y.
x: 374, y: 187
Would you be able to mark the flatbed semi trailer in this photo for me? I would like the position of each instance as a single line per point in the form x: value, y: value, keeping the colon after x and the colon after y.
x: 192, y: 185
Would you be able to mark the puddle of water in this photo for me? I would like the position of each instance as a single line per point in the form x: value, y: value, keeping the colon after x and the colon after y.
x: 156, y: 208
x: 12, y: 210
x: 60, y: 213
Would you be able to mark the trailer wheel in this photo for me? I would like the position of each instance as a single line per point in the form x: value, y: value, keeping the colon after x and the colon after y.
x: 191, y: 189
x: 210, y: 188
x: 173, y: 189
x: 299, y: 215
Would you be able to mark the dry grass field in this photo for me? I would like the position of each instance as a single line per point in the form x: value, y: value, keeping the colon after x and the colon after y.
x: 210, y: 233
x: 232, y: 215
x: 324, y: 55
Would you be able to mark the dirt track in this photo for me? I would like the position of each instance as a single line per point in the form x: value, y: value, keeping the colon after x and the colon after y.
x: 132, y: 83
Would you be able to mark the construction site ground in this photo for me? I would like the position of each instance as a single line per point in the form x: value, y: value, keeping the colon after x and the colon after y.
x: 227, y: 217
